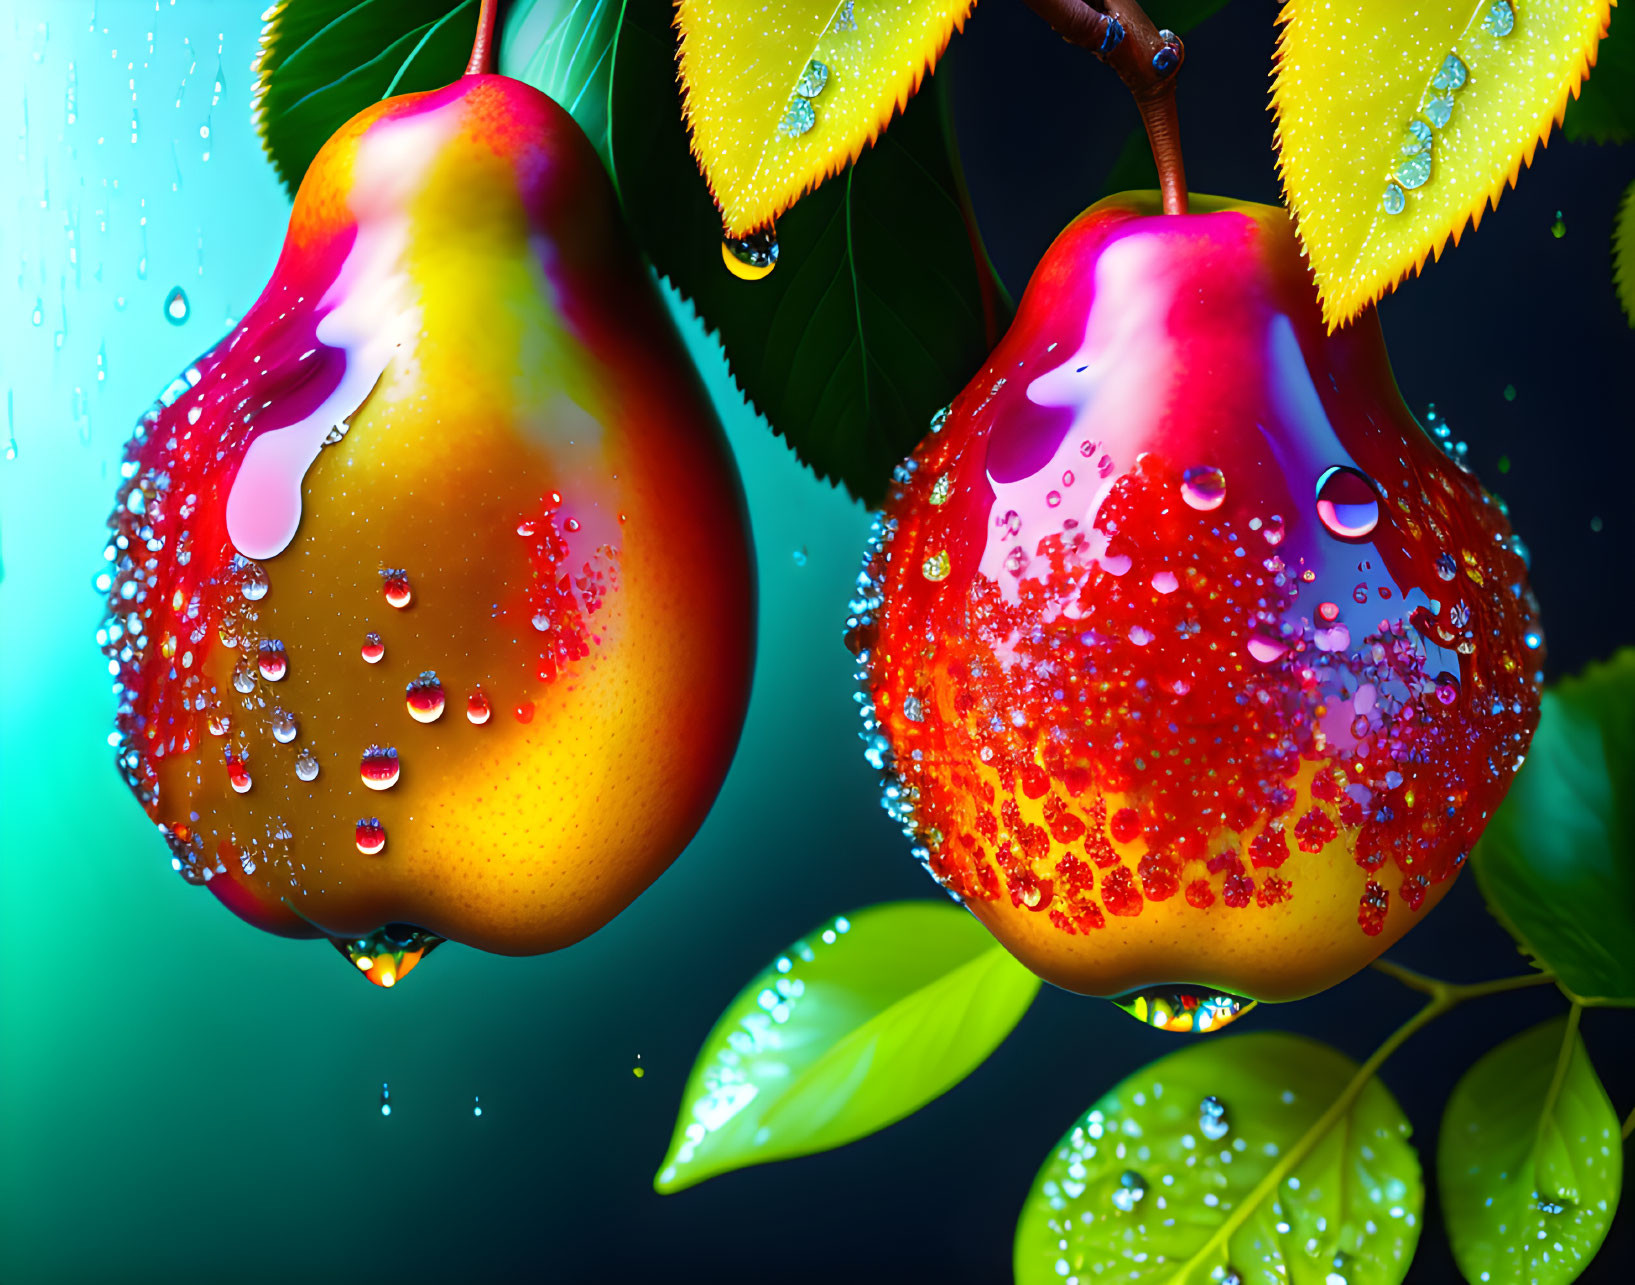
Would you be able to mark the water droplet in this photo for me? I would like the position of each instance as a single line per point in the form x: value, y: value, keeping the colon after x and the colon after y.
x: 1500, y: 18
x: 272, y: 661
x: 1183, y: 1009
x: 1447, y: 688
x: 1165, y: 582
x: 243, y: 675
x: 1558, y: 229
x: 1016, y: 561
x: 751, y: 257
x: 424, y: 698
x: 283, y: 726
x: 176, y: 306
x: 1451, y: 74
x: 379, y: 767
x: 476, y: 1105
x: 1438, y: 109
x: 238, y: 775
x: 385, y: 1099
x: 800, y: 556
x: 1329, y: 612
x: 812, y: 80
x: 1265, y: 650
x: 371, y: 838
x: 943, y: 488
x: 395, y: 584
x: 1550, y: 1205
x: 1203, y: 488
x: 845, y: 20
x: 937, y: 566
x: 253, y: 581
x: 477, y: 708
x: 798, y: 118
x: 524, y: 711
x: 219, y: 723
x: 373, y: 648
x: 1446, y: 567
x: 1347, y: 503
x: 1212, y: 1121
x: 1053, y: 498
x: 388, y: 954
x: 1273, y: 530
x: 1395, y: 199
x: 1131, y: 1190
x: 306, y: 766
x: 1414, y: 171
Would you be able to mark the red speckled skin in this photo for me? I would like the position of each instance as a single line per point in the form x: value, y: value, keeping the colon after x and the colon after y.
x: 538, y: 458
x: 1153, y: 733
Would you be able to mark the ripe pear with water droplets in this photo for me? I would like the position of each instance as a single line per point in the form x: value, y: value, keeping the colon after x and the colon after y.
x: 450, y: 503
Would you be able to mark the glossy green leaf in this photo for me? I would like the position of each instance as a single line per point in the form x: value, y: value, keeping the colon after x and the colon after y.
x: 854, y: 1027
x: 882, y: 304
x: 1605, y: 109
x: 1557, y: 864
x: 1529, y: 1162
x: 1157, y: 1181
x: 564, y: 49
x: 323, y: 61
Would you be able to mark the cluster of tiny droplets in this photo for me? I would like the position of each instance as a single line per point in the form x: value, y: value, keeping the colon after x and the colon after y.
x: 729, y: 1077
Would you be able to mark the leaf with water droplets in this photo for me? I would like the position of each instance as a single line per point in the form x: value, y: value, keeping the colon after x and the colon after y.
x: 881, y: 303
x: 1194, y: 1134
x: 1623, y: 253
x: 782, y: 94
x: 854, y: 1027
x: 321, y: 62
x: 1557, y: 863
x: 1605, y: 109
x: 1487, y: 79
x: 1529, y: 1163
x: 564, y: 49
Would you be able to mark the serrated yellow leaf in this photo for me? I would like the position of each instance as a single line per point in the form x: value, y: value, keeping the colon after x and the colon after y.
x: 781, y: 94
x: 1353, y: 77
x: 1623, y: 253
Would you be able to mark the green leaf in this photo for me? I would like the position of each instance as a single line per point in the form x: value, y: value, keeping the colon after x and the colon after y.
x: 1530, y: 1162
x: 1557, y: 864
x: 856, y: 1026
x: 1623, y: 253
x: 882, y: 304
x: 564, y: 49
x: 324, y: 61
x: 1152, y: 1183
x: 1605, y: 109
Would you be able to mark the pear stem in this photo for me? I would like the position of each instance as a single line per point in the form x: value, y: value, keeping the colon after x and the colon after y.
x: 482, y: 47
x: 1146, y: 60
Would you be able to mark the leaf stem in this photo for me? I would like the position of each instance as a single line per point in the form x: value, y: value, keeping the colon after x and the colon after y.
x: 482, y: 46
x: 1569, y: 1040
x: 1443, y: 996
x: 1120, y: 33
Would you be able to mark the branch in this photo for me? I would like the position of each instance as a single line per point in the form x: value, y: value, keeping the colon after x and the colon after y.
x: 1146, y: 60
x: 482, y: 48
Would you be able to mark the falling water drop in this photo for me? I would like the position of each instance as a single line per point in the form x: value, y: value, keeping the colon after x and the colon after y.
x: 1183, y: 1009
x: 476, y: 1105
x: 177, y: 308
x: 751, y: 257
x: 385, y: 1099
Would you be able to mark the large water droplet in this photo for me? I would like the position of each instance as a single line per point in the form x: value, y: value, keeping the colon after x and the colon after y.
x: 1438, y: 109
x: 812, y: 80
x: 798, y: 118
x: 379, y: 767
x: 1204, y: 488
x: 283, y: 726
x: 1347, y: 503
x: 252, y: 581
x: 1183, y: 1009
x: 1414, y: 171
x: 1451, y: 74
x: 751, y: 257
x: 306, y: 766
x: 1500, y: 18
x: 386, y: 955
x: 1395, y: 199
x: 1212, y: 1121
x: 177, y: 308
x: 424, y: 698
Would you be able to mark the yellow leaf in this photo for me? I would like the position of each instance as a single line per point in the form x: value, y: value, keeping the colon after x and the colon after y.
x: 781, y: 94
x: 1623, y: 253
x: 1399, y: 121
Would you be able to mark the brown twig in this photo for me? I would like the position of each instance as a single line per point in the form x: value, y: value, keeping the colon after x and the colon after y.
x: 1146, y: 60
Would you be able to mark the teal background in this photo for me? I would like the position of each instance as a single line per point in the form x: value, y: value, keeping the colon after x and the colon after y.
x: 185, y: 1099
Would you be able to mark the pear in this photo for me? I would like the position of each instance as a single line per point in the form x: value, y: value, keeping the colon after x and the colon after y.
x: 1195, y: 665
x: 430, y: 587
